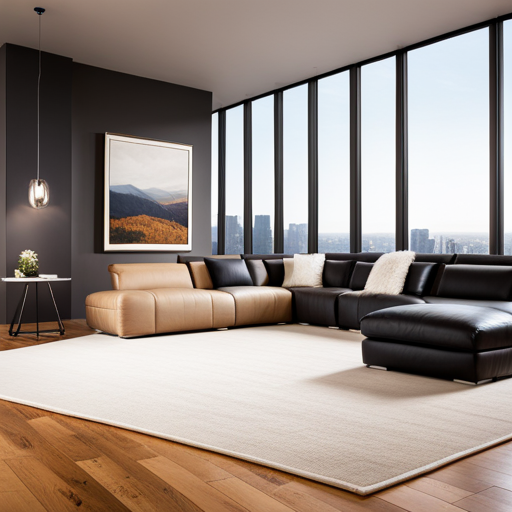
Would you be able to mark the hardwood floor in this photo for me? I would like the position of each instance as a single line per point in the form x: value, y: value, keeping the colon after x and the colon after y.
x: 50, y: 462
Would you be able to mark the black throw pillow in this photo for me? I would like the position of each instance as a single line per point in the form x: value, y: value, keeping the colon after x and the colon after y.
x: 227, y: 272
x: 275, y: 271
x: 337, y: 273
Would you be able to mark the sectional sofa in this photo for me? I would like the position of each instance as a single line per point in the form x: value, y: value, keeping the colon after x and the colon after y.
x: 452, y: 320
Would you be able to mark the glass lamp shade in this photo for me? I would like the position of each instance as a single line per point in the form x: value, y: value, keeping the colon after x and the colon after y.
x: 38, y: 194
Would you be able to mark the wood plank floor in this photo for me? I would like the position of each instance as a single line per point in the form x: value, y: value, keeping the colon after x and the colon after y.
x: 50, y: 462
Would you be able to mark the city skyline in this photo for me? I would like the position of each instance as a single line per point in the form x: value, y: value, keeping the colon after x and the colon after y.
x: 422, y: 240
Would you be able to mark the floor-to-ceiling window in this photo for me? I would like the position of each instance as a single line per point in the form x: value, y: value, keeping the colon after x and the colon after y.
x: 378, y: 113
x: 449, y: 145
x: 263, y: 175
x: 235, y: 180
x: 334, y: 163
x: 215, y: 181
x: 507, y: 78
x: 295, y: 169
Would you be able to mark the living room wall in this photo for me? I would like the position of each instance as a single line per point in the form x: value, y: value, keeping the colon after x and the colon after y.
x: 108, y: 101
x: 46, y: 231
x: 79, y: 103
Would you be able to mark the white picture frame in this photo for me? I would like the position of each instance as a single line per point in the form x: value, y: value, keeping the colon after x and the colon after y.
x: 148, y: 195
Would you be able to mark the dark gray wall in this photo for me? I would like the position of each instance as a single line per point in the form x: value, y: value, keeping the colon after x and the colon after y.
x: 107, y: 101
x: 46, y: 231
x: 3, y: 52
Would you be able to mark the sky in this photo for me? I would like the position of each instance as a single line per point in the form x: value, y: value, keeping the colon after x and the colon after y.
x: 448, y: 143
x: 146, y: 166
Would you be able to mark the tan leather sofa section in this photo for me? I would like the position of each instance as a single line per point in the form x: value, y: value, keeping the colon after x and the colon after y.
x: 142, y: 312
x: 191, y: 310
x: 121, y: 312
x: 261, y: 304
x: 147, y: 276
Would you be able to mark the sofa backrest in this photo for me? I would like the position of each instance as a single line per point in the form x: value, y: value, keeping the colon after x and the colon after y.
x: 147, y: 276
x: 482, y: 282
x: 482, y: 259
x: 189, y: 259
x: 370, y: 257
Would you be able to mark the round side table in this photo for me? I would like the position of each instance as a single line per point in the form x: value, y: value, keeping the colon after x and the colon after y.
x: 21, y: 305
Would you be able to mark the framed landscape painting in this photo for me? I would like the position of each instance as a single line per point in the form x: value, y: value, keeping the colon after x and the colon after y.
x: 148, y: 195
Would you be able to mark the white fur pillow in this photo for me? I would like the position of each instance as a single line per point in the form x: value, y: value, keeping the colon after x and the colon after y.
x: 307, y: 270
x: 389, y: 273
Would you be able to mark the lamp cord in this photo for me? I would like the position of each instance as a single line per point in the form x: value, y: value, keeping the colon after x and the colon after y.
x: 38, y: 95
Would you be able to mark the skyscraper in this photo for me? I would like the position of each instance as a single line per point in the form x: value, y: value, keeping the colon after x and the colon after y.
x: 234, y: 235
x: 262, y: 235
x: 420, y: 241
x: 296, y: 238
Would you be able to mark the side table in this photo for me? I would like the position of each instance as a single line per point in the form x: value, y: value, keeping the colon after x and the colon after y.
x: 21, y: 305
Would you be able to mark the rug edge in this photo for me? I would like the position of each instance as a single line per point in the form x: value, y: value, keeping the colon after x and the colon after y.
x: 346, y: 486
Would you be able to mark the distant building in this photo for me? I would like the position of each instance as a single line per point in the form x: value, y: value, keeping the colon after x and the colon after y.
x: 234, y: 235
x: 421, y: 241
x: 296, y: 238
x: 262, y: 235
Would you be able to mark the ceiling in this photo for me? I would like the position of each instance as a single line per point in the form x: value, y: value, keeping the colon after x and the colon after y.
x: 235, y: 48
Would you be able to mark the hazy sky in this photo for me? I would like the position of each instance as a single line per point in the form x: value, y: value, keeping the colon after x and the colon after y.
x: 146, y: 166
x: 448, y: 144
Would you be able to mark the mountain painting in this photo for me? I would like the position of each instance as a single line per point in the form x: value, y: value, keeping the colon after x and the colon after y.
x: 147, y: 194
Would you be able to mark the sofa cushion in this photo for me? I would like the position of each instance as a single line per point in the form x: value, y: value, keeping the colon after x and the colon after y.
x: 337, y: 273
x: 200, y: 275
x: 360, y: 275
x: 484, y: 282
x: 420, y: 278
x: 288, y: 272
x: 307, y: 270
x: 228, y: 272
x: 256, y: 305
x: 258, y: 272
x: 465, y: 328
x: 353, y: 306
x: 317, y: 306
x: 275, y: 271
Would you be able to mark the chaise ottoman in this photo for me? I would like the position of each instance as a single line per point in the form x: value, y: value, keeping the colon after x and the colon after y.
x: 466, y: 343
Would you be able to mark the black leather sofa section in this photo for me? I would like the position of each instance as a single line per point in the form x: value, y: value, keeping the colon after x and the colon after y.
x: 317, y: 305
x: 471, y: 343
x: 351, y: 307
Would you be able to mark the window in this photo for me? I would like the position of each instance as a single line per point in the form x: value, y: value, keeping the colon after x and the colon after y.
x: 215, y: 180
x: 378, y: 170
x: 507, y: 57
x: 263, y: 175
x: 449, y: 145
x: 295, y: 171
x: 235, y: 180
x: 334, y: 163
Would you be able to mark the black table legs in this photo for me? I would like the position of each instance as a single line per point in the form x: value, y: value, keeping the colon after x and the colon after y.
x: 19, y: 314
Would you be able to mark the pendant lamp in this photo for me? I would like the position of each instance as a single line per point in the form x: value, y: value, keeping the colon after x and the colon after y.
x: 38, y: 190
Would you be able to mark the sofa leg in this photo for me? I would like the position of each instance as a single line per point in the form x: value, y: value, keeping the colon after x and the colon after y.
x: 281, y: 323
x: 222, y: 329
x: 473, y: 383
x: 333, y: 327
x: 303, y: 323
x: 377, y: 367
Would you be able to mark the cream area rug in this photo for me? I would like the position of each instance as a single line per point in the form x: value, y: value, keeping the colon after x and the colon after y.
x: 295, y: 398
